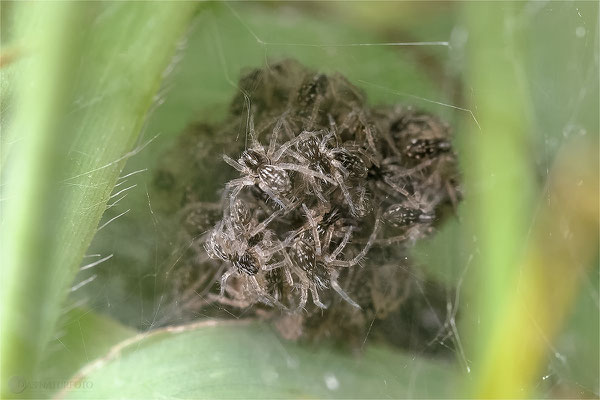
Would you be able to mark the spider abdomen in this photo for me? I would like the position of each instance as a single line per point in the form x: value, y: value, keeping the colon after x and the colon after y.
x: 351, y: 162
x: 424, y: 148
x: 400, y: 216
x: 247, y: 263
x: 275, y: 179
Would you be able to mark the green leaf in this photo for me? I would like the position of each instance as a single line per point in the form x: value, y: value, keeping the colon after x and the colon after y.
x: 84, y: 336
x: 82, y: 88
x: 237, y: 359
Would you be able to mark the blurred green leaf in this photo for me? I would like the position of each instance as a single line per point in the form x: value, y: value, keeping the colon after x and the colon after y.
x: 239, y: 360
x: 82, y: 89
x: 82, y: 337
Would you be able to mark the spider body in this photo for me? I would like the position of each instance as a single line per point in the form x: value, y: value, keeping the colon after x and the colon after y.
x: 336, y: 162
x: 400, y: 216
x: 353, y: 165
x: 256, y: 171
x: 310, y: 96
x: 315, y: 258
x: 247, y: 263
x: 275, y: 179
x: 427, y: 148
x: 267, y: 169
x: 246, y: 258
x: 310, y: 91
x: 409, y: 123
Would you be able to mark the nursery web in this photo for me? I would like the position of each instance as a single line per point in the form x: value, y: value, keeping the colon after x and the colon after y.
x: 423, y: 65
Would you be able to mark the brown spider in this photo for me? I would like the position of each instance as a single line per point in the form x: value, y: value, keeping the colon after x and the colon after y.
x: 317, y: 266
x: 265, y: 168
x: 337, y: 162
x: 236, y: 244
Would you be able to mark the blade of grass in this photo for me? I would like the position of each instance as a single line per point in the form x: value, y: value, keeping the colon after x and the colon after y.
x: 498, y: 179
x: 82, y: 92
x: 527, y: 268
x: 563, y: 245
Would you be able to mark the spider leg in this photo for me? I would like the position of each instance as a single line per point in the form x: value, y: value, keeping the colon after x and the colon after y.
x: 346, y: 193
x: 391, y: 143
x: 237, y: 185
x: 333, y: 128
x: 368, y: 133
x: 267, y: 298
x: 303, y: 298
x: 341, y: 247
x: 274, y: 136
x: 284, y: 147
x: 400, y: 190
x: 288, y: 129
x: 418, y: 167
x: 288, y: 277
x: 228, y: 302
x: 362, y: 204
x: 336, y: 286
x: 324, y: 141
x: 313, y: 226
x: 272, y: 195
x: 266, y: 254
x: 224, y: 279
x: 328, y: 237
x: 252, y: 132
x: 304, y: 283
x: 453, y: 197
x: 315, y: 296
x: 311, y: 179
x: 364, y: 251
x: 317, y: 190
x: 260, y: 227
x: 307, y: 171
x: 315, y: 110
x: 303, y: 160
x: 392, y: 240
x: 234, y: 163
x: 273, y: 266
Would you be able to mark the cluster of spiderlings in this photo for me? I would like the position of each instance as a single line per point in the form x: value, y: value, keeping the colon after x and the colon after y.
x: 326, y: 190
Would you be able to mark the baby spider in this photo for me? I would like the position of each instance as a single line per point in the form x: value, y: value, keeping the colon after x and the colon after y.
x: 312, y: 273
x: 310, y: 95
x: 244, y: 224
x: 246, y: 259
x: 265, y: 168
x: 426, y: 148
x: 321, y: 270
x: 413, y: 223
x: 400, y: 216
x: 335, y: 161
